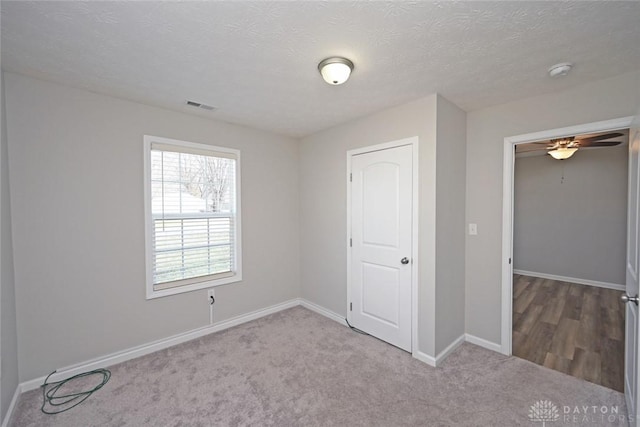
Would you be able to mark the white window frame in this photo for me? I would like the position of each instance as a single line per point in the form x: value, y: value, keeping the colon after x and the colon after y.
x: 207, y: 282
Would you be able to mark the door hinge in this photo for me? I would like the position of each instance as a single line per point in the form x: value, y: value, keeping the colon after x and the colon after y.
x: 509, y: 261
x: 350, y: 177
x: 350, y: 243
x: 350, y: 306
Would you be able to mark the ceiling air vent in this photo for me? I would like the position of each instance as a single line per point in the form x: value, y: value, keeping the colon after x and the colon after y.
x: 199, y: 105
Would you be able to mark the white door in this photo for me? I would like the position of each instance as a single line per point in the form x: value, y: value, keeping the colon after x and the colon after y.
x: 632, y: 318
x: 381, y: 215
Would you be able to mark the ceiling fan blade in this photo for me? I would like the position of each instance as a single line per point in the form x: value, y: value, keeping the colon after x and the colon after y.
x: 527, y: 148
x: 600, y: 137
x: 600, y: 144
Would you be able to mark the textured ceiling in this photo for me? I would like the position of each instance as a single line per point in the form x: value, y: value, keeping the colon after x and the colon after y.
x: 256, y: 61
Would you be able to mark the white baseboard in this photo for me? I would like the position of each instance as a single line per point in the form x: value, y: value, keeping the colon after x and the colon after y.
x: 132, y: 353
x: 142, y: 350
x: 483, y: 343
x: 444, y: 353
x: 12, y: 406
x: 323, y: 311
x: 607, y: 285
x: 424, y: 357
x: 244, y: 318
x: 436, y: 361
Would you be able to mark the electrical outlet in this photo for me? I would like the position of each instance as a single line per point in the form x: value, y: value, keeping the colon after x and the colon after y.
x: 211, y: 298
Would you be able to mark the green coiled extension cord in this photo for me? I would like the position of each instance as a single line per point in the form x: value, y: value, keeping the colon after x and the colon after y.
x: 49, y: 396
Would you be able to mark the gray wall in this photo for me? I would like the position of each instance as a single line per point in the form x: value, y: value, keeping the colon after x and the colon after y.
x: 9, y: 344
x: 78, y: 223
x: 486, y: 130
x: 573, y: 227
x: 76, y: 185
x: 323, y: 210
x: 450, y: 216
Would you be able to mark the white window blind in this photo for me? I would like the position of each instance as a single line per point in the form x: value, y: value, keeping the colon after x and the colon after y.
x: 194, y: 214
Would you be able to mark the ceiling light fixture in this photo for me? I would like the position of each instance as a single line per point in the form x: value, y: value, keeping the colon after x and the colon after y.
x: 335, y: 70
x: 561, y: 69
x: 562, y: 153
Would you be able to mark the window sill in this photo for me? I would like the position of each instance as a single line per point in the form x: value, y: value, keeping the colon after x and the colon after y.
x: 151, y: 294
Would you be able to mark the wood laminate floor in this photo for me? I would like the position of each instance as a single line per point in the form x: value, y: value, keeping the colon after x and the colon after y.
x: 571, y: 328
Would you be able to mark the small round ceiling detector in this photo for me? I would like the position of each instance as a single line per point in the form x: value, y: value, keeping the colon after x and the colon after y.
x: 561, y: 69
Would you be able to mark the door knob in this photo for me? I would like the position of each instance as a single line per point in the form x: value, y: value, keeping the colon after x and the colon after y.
x: 404, y: 260
x: 627, y: 298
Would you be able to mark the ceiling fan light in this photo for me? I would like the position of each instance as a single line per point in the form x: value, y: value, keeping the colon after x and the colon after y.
x: 562, y: 153
x: 335, y: 71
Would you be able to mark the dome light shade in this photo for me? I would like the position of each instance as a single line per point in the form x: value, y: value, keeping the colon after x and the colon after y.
x: 561, y: 69
x: 562, y: 153
x: 336, y: 70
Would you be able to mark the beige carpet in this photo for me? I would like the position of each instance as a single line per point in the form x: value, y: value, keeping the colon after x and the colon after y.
x: 297, y: 368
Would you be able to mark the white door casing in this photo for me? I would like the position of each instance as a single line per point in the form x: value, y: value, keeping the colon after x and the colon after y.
x: 632, y: 318
x: 631, y: 313
x: 507, y: 206
x: 381, y: 206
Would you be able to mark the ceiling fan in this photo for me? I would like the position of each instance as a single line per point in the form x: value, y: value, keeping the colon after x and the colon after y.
x: 563, y: 148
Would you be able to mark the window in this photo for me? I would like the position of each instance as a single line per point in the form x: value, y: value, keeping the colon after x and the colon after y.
x: 192, y: 205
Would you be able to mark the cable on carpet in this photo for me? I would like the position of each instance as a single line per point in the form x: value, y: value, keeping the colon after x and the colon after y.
x: 49, y: 396
x: 354, y: 329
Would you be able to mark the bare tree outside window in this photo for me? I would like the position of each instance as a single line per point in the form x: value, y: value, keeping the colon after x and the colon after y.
x: 215, y: 173
x: 208, y: 178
